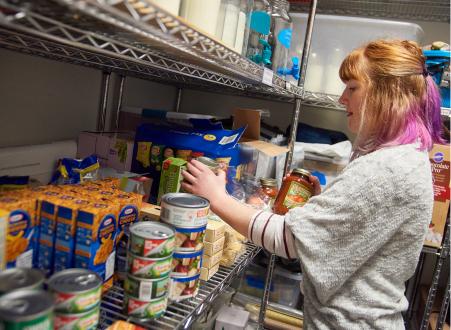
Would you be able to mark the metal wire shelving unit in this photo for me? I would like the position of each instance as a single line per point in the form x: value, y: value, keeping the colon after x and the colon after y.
x: 179, y: 315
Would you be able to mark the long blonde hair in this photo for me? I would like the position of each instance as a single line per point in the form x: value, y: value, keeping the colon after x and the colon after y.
x: 401, y: 103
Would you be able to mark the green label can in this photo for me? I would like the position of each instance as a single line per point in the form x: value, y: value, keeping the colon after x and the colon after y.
x: 151, y: 239
x: 145, y: 309
x: 81, y: 321
x: 20, y: 278
x: 145, y: 289
x: 149, y: 267
x: 26, y: 310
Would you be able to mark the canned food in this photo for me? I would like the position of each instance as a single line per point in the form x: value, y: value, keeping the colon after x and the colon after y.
x: 151, y: 239
x: 145, y: 309
x: 189, y: 239
x: 148, y: 267
x: 146, y: 289
x: 181, y: 288
x: 210, y: 163
x: 26, y: 309
x: 21, y: 278
x: 186, y: 263
x: 184, y: 210
x: 83, y: 321
x: 76, y: 290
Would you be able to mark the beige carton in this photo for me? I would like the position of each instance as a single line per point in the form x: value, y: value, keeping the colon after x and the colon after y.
x: 210, y: 249
x: 215, y: 230
x: 210, y: 261
x: 206, y: 274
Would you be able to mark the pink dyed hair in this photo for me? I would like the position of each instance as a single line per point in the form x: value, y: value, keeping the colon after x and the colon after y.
x: 402, y: 102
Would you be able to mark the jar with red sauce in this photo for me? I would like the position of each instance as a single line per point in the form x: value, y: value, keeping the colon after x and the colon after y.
x: 268, y: 190
x: 296, y: 190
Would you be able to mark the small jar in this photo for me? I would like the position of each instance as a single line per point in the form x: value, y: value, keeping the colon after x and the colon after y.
x: 269, y: 190
x: 296, y: 190
x: 210, y: 163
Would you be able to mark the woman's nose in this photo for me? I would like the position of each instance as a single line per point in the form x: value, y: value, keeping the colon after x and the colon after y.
x: 343, y: 99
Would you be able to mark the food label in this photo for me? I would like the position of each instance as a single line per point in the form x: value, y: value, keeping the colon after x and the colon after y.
x: 440, y: 177
x: 41, y: 323
x: 18, y: 240
x: 184, y: 217
x: 74, y: 321
x: 145, y: 309
x: 77, y: 303
x: 297, y: 195
x: 150, y: 268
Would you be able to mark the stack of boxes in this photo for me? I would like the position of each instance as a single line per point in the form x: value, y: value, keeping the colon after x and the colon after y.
x: 213, y: 247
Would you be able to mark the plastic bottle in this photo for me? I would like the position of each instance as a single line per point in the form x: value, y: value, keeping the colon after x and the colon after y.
x: 258, y: 48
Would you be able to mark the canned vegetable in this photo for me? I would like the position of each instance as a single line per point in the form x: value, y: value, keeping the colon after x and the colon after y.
x: 189, y: 239
x: 26, y: 309
x: 148, y: 267
x: 186, y: 263
x: 151, y: 239
x: 181, y: 288
x: 146, y: 289
x: 21, y: 278
x: 184, y: 210
x: 145, y: 309
x: 81, y: 321
x: 76, y: 290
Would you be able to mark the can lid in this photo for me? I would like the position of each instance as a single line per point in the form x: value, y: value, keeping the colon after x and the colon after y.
x: 185, y: 200
x: 268, y: 182
x: 208, y: 161
x: 74, y: 280
x: 23, y: 305
x: 20, y: 278
x: 151, y: 230
x: 301, y: 171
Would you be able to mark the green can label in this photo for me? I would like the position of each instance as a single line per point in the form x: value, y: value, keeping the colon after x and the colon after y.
x: 43, y: 322
x: 77, y: 302
x: 145, y: 309
x: 146, y: 290
x: 149, y: 268
x: 152, y: 247
x: 85, y: 321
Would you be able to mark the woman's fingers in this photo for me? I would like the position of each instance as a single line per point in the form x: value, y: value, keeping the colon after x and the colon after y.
x: 198, y: 165
x: 193, y: 169
x: 187, y: 176
x: 187, y: 187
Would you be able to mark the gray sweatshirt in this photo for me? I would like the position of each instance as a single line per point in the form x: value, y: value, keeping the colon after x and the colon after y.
x: 360, y: 239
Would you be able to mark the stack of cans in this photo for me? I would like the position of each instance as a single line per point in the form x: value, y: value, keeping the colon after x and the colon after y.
x: 149, y: 263
x: 77, y: 294
x: 188, y: 216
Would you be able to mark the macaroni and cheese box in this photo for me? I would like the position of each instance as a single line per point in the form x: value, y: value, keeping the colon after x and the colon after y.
x: 439, y: 158
x: 20, y: 230
x: 3, y: 220
x: 130, y: 204
x: 66, y: 225
x: 96, y: 238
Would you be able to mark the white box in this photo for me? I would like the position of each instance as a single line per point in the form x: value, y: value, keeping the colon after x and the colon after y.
x: 334, y: 37
x: 231, y: 318
x: 210, y: 261
x: 211, y: 249
x: 207, y: 273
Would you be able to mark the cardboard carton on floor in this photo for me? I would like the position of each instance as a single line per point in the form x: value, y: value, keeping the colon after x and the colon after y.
x: 439, y: 157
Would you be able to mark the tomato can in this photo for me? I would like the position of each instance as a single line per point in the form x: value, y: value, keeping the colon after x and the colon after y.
x: 76, y: 290
x: 20, y: 278
x: 181, y: 288
x: 146, y: 289
x: 26, y: 309
x: 150, y: 268
x: 86, y: 321
x: 186, y: 263
x: 143, y: 309
x: 151, y: 239
x: 184, y: 210
x: 189, y: 239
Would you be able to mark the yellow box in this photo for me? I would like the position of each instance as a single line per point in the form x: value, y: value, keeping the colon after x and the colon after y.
x: 206, y: 273
x: 96, y: 239
x: 210, y: 261
x: 210, y: 249
x: 20, y: 245
x: 439, y: 157
x: 215, y: 230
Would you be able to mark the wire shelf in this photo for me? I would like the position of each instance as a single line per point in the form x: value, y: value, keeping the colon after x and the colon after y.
x: 179, y: 315
x: 115, y: 36
x: 422, y: 10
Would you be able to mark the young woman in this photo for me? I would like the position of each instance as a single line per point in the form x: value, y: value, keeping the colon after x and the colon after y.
x: 360, y: 239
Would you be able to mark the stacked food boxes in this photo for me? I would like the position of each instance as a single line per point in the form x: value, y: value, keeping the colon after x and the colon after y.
x: 187, y: 214
x: 149, y: 262
x: 214, y: 243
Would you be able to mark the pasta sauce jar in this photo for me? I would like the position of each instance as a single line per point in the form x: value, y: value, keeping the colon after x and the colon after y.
x: 269, y: 190
x: 295, y: 191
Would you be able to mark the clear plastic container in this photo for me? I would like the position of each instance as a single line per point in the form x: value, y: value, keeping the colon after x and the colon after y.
x: 201, y: 13
x: 258, y: 48
x: 334, y: 37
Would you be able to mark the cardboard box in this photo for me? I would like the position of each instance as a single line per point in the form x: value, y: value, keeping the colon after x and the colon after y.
x: 210, y: 261
x: 207, y: 273
x: 3, y: 220
x: 215, y: 230
x: 120, y: 153
x: 171, y: 176
x: 439, y: 157
x: 149, y: 212
x: 210, y: 249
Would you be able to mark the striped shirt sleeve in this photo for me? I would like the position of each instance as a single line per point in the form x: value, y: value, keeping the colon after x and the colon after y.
x: 270, y: 231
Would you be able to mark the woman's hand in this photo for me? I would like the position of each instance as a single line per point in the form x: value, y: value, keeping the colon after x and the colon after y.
x: 201, y: 181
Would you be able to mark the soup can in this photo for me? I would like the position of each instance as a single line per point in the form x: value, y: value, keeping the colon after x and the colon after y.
x: 181, y: 288
x: 184, y: 210
x: 86, y: 321
x: 148, y: 267
x: 189, y: 239
x: 146, y: 289
x: 76, y: 290
x: 20, y: 278
x: 143, y: 309
x: 186, y: 263
x: 151, y: 239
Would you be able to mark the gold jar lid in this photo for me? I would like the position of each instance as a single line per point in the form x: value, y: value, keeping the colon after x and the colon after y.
x: 208, y: 161
x: 301, y: 171
x: 268, y: 182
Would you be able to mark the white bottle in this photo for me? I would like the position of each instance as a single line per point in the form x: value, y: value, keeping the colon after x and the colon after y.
x: 201, y: 13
